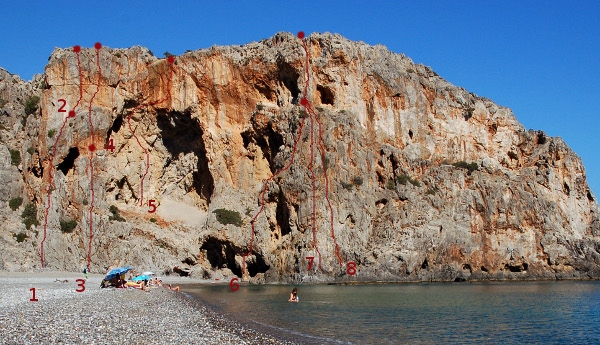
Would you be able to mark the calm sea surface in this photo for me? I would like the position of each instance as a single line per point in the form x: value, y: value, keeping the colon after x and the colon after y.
x: 431, y: 313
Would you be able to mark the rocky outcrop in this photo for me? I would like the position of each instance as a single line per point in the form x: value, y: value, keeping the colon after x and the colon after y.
x: 426, y: 180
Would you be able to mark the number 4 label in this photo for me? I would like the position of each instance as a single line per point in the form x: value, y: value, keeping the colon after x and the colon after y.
x: 110, y: 146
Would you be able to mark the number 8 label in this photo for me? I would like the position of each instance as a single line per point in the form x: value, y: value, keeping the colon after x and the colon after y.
x: 351, y: 268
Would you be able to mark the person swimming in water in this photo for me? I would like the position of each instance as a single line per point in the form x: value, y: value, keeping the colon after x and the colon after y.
x: 294, y: 296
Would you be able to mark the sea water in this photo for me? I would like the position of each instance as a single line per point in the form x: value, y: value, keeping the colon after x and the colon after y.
x: 424, y: 313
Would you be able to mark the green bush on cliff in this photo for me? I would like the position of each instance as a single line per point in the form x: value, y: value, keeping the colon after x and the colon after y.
x: 469, y: 166
x: 116, y: 214
x: 347, y: 186
x: 20, y: 237
x: 14, y: 203
x: 357, y: 181
x: 67, y: 226
x: 15, y: 157
x: 31, y: 104
x: 403, y: 179
x: 29, y: 216
x: 228, y: 217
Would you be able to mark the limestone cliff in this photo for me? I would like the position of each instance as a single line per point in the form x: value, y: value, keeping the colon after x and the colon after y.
x: 426, y: 180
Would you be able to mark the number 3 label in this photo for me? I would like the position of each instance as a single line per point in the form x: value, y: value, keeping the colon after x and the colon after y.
x: 81, y: 284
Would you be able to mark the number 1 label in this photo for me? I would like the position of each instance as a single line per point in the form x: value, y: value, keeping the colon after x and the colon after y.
x: 33, y: 299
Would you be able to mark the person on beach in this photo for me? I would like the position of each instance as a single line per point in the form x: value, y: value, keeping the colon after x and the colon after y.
x: 176, y: 288
x: 294, y: 296
x: 86, y: 271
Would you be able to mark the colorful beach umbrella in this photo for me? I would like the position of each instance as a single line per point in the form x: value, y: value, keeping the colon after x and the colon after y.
x: 141, y: 278
x: 117, y: 272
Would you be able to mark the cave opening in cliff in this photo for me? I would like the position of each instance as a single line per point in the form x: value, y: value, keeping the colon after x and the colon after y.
x: 282, y: 214
x: 425, y: 264
x: 589, y: 195
x: 269, y: 142
x: 221, y: 254
x: 468, y: 113
x: 567, y: 189
x: 182, y: 134
x: 116, y: 126
x: 289, y: 77
x: 265, y: 90
x: 380, y: 179
x: 69, y: 162
x: 246, y: 138
x: 326, y: 95
x: 410, y: 133
x: 257, y: 266
x: 37, y: 170
x: 395, y: 164
x: 516, y: 268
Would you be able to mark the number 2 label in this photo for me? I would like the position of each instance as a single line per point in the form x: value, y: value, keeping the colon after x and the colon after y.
x: 62, y: 107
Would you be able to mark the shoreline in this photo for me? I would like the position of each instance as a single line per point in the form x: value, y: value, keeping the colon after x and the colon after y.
x: 110, y: 316
x: 176, y: 279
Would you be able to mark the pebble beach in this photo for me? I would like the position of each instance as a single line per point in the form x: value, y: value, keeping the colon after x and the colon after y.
x: 61, y: 315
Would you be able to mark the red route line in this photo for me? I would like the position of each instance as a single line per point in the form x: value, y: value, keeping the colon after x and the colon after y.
x: 322, y: 151
x: 313, y: 115
x: 170, y: 60
x: 92, y: 149
x: 265, y: 189
x: 307, y: 110
x: 76, y: 49
x: 306, y: 105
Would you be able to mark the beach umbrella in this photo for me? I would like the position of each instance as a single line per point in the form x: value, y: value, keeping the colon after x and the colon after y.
x: 148, y: 273
x: 141, y: 278
x: 117, y: 272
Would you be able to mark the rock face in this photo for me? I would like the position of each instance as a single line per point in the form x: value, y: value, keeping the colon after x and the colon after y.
x: 398, y: 141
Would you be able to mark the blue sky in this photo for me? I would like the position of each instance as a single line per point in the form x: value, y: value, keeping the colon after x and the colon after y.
x: 539, y: 58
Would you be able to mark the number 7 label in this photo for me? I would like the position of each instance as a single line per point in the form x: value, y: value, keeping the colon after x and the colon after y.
x: 312, y: 259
